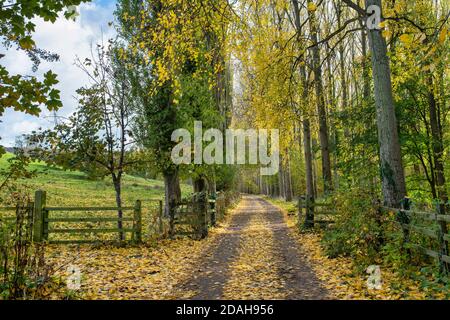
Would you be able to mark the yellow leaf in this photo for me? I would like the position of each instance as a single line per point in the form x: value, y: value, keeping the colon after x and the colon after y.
x: 443, y: 36
x: 406, y: 38
x: 26, y: 43
x: 312, y: 6
x: 398, y: 7
x: 382, y: 24
x: 386, y: 33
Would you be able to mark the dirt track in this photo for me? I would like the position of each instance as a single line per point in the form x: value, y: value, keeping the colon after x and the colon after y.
x: 255, y: 258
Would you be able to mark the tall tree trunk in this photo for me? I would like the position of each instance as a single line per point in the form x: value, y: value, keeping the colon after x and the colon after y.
x: 323, y: 126
x: 276, y: 188
x: 438, y: 153
x: 342, y: 71
x: 259, y: 183
x: 393, y: 178
x: 172, y: 189
x: 333, y: 126
x: 365, y: 66
x: 314, y: 166
x: 307, y: 149
x: 117, y: 181
x: 281, y: 180
x: 288, y: 182
x: 308, y: 158
x: 200, y: 206
x: 437, y: 142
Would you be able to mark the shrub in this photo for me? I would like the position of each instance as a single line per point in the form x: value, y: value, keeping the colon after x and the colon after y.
x: 358, y: 229
x: 23, y: 271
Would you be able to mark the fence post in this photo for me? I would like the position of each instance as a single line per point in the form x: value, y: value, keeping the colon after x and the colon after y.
x: 443, y: 248
x: 137, y: 221
x: 160, y: 217
x: 309, y: 218
x: 220, y: 202
x: 212, y: 207
x: 200, y: 200
x: 39, y: 216
x: 172, y: 208
x: 404, y: 219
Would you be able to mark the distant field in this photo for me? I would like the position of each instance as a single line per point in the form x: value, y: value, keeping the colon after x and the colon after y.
x: 73, y: 188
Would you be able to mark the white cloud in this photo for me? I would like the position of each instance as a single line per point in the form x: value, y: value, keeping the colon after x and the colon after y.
x: 68, y: 39
x: 24, y: 126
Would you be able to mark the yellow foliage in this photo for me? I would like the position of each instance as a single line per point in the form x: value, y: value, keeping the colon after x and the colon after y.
x: 406, y: 39
x: 312, y: 6
x: 443, y: 35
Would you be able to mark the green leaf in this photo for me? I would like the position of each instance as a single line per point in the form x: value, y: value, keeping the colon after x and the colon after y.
x: 26, y: 43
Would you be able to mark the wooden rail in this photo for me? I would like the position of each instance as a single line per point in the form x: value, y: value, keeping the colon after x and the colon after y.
x: 407, y: 219
x: 43, y: 220
x: 315, y: 212
x: 195, y: 215
x: 437, y: 231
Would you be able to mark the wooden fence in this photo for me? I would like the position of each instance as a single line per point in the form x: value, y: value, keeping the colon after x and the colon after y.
x: 188, y: 218
x: 46, y: 217
x: 430, y: 226
x: 417, y: 226
x: 193, y: 216
x: 316, y: 212
x: 58, y: 224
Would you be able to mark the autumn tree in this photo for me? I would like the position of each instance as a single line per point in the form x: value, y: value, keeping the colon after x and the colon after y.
x: 98, y: 134
x: 173, y: 46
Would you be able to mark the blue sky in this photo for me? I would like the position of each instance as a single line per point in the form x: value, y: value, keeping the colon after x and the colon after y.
x: 69, y: 39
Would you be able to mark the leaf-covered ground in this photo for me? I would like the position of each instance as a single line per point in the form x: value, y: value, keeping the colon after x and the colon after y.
x: 251, y: 256
x: 341, y: 277
x: 255, y: 254
x: 255, y: 257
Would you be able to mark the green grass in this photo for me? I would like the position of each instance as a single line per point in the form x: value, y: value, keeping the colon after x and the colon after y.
x: 73, y: 188
x: 290, y: 207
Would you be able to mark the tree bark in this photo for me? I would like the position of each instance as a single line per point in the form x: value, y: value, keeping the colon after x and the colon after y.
x: 307, y: 149
x: 308, y: 158
x: 281, y: 180
x: 393, y: 178
x: 438, y: 153
x: 365, y: 67
x: 288, y: 182
x: 323, y: 126
x: 172, y: 189
x: 437, y: 142
x: 117, y: 181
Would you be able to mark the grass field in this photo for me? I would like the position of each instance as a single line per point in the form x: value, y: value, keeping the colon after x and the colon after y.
x: 73, y: 188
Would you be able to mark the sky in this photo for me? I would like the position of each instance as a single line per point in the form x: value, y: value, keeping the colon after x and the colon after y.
x: 69, y: 39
